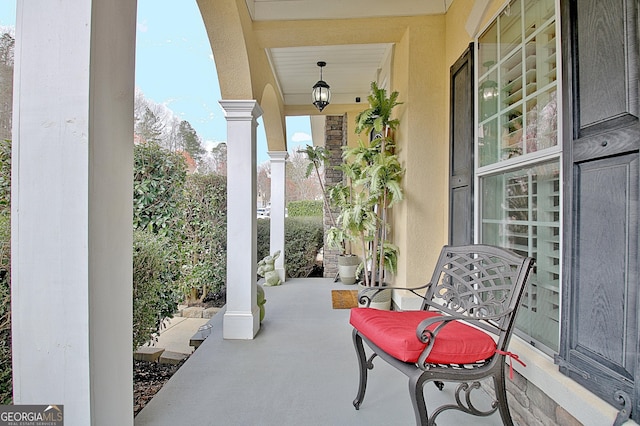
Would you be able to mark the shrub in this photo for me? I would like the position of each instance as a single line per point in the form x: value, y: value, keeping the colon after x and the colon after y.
x: 264, y: 234
x: 204, y: 234
x: 158, y: 178
x: 5, y: 310
x: 6, y: 387
x: 303, y: 239
x: 154, y: 293
x: 305, y: 208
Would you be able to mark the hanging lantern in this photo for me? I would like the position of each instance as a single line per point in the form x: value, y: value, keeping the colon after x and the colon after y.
x: 321, y: 94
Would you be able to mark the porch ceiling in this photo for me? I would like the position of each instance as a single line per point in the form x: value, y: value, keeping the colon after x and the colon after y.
x: 350, y: 67
x: 349, y: 70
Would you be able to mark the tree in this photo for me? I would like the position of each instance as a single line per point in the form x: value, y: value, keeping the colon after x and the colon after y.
x: 7, y: 45
x: 264, y: 181
x: 171, y: 137
x: 150, y: 127
x: 299, y: 186
x: 190, y: 141
x: 218, y: 156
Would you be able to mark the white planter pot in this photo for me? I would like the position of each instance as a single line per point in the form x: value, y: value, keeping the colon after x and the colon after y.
x: 347, y: 266
x: 382, y: 299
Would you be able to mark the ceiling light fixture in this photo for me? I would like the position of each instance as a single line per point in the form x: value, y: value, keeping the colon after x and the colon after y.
x: 321, y: 94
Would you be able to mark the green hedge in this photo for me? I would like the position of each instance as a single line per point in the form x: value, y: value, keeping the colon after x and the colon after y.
x: 204, y: 234
x: 5, y: 311
x: 5, y: 274
x: 154, y: 293
x: 305, y: 208
x: 303, y: 239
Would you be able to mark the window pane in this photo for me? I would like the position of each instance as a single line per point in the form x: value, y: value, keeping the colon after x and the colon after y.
x: 523, y: 66
x: 488, y: 46
x: 521, y: 211
x: 488, y: 95
x: 537, y: 12
x: 512, y: 133
x: 542, y: 121
x: 510, y: 28
x: 488, y: 142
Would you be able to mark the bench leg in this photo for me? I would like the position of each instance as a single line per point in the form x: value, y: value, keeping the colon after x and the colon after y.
x: 501, y: 396
x: 416, y: 391
x: 363, y: 366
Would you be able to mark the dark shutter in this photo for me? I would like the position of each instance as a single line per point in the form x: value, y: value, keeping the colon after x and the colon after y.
x: 599, y: 333
x: 461, y: 151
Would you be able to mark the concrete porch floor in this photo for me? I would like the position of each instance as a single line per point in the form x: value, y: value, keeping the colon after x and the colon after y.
x: 301, y: 369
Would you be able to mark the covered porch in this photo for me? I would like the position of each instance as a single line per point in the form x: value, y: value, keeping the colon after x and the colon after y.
x: 73, y: 160
x: 300, y: 369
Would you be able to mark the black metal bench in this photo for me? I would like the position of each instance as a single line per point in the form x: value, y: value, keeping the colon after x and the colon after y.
x: 461, y: 334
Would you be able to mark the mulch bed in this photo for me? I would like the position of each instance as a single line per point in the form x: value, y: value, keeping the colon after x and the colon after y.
x: 148, y: 379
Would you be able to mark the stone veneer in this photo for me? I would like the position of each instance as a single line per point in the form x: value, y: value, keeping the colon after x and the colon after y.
x: 530, y: 406
x: 335, y: 138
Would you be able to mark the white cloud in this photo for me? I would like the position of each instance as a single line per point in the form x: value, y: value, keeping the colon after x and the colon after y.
x: 300, y: 137
x: 143, y: 27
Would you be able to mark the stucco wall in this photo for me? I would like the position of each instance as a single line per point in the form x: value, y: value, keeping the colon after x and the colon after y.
x: 419, y: 221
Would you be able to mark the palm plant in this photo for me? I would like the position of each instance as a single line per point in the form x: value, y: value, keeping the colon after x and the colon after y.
x: 318, y: 158
x: 373, y: 186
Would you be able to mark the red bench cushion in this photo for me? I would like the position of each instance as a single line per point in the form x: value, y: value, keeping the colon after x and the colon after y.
x: 395, y: 333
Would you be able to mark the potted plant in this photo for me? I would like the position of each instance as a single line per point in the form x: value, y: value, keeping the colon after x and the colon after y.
x: 372, y: 187
x: 348, y: 263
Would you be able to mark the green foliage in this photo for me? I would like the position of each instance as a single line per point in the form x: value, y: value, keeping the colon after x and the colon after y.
x: 374, y: 175
x: 264, y: 233
x: 5, y: 309
x: 154, y: 295
x: 5, y: 274
x: 5, y: 174
x: 303, y: 239
x: 305, y: 208
x: 159, y: 176
x: 378, y: 115
x: 204, y: 234
x: 318, y: 157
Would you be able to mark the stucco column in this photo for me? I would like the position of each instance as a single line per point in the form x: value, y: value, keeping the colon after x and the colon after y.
x: 72, y: 208
x: 278, y: 205
x: 242, y: 316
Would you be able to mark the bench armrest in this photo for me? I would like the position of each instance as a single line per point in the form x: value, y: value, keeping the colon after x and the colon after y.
x: 365, y: 299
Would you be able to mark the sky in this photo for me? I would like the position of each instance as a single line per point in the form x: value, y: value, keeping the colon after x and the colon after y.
x: 175, y: 67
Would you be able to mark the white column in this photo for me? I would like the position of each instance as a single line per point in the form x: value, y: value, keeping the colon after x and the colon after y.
x: 72, y: 208
x: 278, y: 205
x: 242, y: 316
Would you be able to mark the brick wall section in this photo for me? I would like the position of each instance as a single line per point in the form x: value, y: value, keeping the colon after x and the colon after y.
x: 530, y: 406
x: 335, y: 138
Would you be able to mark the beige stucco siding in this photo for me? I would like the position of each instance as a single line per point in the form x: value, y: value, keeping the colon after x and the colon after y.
x: 420, y: 221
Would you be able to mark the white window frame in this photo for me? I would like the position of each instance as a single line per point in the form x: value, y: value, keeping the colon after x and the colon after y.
x: 522, y: 161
